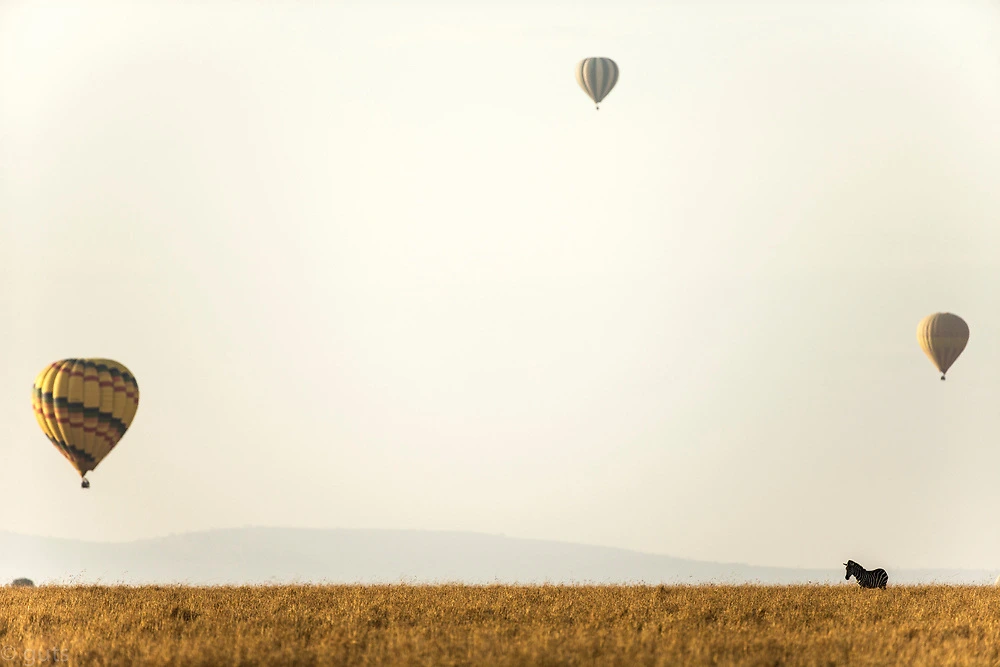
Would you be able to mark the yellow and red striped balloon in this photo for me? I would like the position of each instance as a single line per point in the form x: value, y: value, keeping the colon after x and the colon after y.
x: 84, y: 407
x: 942, y: 337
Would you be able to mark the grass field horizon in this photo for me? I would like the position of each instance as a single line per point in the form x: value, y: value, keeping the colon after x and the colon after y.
x: 410, y: 624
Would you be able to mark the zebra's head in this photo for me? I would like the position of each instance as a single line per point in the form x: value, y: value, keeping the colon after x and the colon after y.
x: 850, y: 565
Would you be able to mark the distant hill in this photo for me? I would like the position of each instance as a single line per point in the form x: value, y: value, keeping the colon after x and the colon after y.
x: 289, y: 555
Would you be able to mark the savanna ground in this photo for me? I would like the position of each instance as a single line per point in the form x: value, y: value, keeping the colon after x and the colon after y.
x: 501, y: 625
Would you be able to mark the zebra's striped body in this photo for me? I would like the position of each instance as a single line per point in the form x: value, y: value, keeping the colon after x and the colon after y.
x: 866, y: 579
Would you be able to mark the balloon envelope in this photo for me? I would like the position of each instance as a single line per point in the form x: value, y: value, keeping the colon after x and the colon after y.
x: 597, y: 76
x: 942, y: 337
x: 84, y: 407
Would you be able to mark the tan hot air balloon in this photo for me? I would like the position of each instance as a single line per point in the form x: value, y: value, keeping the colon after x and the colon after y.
x: 84, y: 407
x: 597, y: 76
x: 942, y: 337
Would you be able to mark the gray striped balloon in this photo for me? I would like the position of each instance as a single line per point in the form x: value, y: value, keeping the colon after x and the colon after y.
x: 597, y: 76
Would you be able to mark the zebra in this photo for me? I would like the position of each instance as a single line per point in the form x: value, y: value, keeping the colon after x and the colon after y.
x: 866, y: 579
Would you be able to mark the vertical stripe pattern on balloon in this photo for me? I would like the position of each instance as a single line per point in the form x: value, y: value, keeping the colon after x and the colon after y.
x: 597, y: 76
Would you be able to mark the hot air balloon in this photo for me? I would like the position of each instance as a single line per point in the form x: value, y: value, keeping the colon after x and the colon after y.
x: 597, y: 76
x: 85, y: 406
x: 942, y: 337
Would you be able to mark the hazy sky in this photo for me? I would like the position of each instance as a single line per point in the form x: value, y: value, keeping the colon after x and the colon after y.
x: 384, y: 266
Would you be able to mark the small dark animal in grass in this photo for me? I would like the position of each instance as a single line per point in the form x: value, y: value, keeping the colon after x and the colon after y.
x: 22, y: 582
x: 866, y: 579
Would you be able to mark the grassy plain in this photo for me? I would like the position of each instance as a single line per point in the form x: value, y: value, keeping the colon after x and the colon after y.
x: 502, y: 625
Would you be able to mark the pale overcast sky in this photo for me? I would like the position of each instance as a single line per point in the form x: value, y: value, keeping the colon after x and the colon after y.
x: 384, y: 266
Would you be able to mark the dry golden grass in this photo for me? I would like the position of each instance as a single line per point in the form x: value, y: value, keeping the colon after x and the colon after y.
x: 503, y: 625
